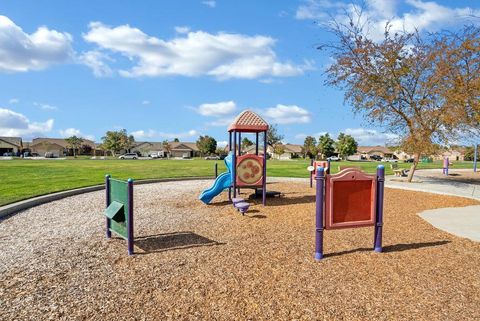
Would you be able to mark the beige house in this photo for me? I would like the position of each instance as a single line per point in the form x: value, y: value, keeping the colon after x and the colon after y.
x: 177, y: 149
x: 366, y: 152
x: 10, y: 145
x: 457, y: 154
x: 58, y: 147
x: 290, y: 151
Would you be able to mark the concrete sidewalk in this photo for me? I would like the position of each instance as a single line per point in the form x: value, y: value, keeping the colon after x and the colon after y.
x: 460, y: 221
x: 436, y: 186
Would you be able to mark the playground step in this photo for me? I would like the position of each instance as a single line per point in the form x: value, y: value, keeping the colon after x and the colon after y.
x: 237, y: 200
x: 242, y: 207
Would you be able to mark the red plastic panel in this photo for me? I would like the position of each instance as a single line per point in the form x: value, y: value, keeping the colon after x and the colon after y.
x: 249, y: 170
x: 350, y: 198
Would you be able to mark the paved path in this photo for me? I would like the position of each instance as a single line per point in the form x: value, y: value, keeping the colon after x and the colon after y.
x: 460, y: 221
x: 436, y: 186
x: 463, y: 221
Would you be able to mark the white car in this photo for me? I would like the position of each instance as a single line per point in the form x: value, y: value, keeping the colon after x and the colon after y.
x: 390, y: 160
x: 333, y: 158
x: 128, y: 156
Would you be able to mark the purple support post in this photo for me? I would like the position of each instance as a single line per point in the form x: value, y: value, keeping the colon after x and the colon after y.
x: 379, y: 214
x: 328, y: 167
x: 320, y: 178
x: 256, y: 143
x: 234, y: 164
x: 475, y: 158
x: 264, y: 180
x: 130, y: 217
x: 108, y: 201
x: 239, y: 144
x: 229, y: 141
x: 311, y: 174
x: 216, y: 169
x: 446, y: 163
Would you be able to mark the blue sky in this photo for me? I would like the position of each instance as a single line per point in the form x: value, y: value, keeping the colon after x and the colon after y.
x: 165, y: 69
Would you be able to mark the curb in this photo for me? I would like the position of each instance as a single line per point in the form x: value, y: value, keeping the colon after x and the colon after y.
x: 38, y: 200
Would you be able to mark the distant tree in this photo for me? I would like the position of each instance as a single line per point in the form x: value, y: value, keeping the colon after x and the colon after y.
x: 422, y: 87
x: 246, y: 143
x: 206, y: 145
x: 273, y: 137
x: 74, y: 143
x: 470, y: 154
x: 309, y: 147
x: 220, y: 151
x: 176, y: 140
x: 279, y: 149
x: 345, y: 145
x: 85, y: 149
x: 115, y: 141
x: 167, y: 147
x: 326, y: 146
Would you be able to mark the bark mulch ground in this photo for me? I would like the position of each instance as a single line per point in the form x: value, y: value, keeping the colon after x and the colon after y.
x: 200, y: 262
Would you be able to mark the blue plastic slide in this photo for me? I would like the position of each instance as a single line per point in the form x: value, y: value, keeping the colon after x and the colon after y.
x: 222, y: 182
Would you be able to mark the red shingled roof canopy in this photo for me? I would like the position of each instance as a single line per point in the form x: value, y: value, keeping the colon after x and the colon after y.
x: 249, y: 122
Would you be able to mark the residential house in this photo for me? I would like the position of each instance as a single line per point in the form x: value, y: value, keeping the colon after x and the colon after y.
x: 366, y: 152
x: 454, y: 154
x: 58, y: 147
x: 177, y: 149
x: 184, y: 150
x: 290, y: 151
x: 10, y: 145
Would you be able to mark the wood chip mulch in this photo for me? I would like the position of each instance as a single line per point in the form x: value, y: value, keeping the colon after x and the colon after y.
x: 199, y: 262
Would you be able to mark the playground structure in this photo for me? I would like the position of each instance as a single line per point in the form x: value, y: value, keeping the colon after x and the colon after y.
x: 119, y: 210
x: 243, y: 170
x: 348, y: 199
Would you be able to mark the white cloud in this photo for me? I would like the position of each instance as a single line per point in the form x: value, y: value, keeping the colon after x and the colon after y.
x: 199, y: 53
x: 222, y: 144
x: 182, y: 29
x: 21, y: 52
x: 45, y: 106
x: 287, y: 114
x: 221, y: 122
x: 217, y: 109
x: 69, y: 132
x: 14, y: 101
x: 153, y: 134
x: 210, y: 3
x: 16, y: 124
x: 371, y: 136
x: 97, y: 61
x: 146, y: 102
x: 422, y: 15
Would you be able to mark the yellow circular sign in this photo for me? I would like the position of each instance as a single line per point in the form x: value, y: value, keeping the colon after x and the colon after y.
x: 249, y: 171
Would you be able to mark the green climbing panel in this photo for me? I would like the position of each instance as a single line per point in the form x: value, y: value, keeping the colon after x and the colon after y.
x: 118, y: 209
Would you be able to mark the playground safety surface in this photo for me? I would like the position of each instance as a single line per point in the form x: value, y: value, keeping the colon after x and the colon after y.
x: 204, y: 262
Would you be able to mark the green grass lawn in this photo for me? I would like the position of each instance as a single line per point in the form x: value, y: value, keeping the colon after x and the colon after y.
x: 22, y: 179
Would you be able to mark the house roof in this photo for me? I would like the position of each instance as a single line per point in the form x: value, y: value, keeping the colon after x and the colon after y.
x: 293, y: 148
x: 248, y: 121
x: 59, y: 141
x: 174, y: 146
x: 17, y: 141
x: 371, y: 149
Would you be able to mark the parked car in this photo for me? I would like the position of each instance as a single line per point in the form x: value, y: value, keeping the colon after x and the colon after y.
x: 390, y: 160
x: 410, y: 160
x: 49, y: 155
x: 7, y: 154
x: 128, y: 156
x: 377, y: 158
x: 212, y: 157
x: 333, y: 158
